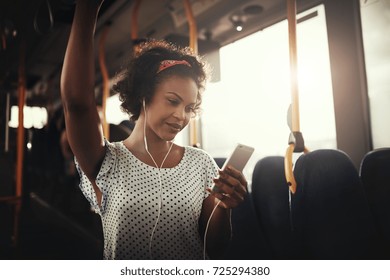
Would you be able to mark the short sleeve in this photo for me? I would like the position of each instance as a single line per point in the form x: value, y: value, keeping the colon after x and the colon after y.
x: 211, y: 169
x: 104, y: 180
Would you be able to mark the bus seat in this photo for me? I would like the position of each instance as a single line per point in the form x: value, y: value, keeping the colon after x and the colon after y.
x: 271, y: 201
x: 220, y: 161
x: 330, y: 213
x: 247, y: 242
x: 374, y: 173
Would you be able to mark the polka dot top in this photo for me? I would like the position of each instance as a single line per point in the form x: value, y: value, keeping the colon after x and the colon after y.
x: 130, y: 204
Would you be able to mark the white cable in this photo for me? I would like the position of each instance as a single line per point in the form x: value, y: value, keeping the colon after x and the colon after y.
x: 207, y: 227
x: 159, y: 179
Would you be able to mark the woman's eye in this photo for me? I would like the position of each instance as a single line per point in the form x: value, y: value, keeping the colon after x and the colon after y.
x: 173, y: 101
x: 190, y: 109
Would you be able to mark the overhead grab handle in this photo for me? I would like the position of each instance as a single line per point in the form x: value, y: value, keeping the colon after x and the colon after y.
x: 295, y: 141
x: 295, y: 137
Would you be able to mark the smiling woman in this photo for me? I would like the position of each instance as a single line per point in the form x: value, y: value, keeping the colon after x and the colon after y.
x: 154, y: 197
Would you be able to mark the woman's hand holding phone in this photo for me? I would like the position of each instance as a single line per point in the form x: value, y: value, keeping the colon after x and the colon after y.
x: 230, y: 187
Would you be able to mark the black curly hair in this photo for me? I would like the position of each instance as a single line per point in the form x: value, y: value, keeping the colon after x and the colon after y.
x: 140, y: 78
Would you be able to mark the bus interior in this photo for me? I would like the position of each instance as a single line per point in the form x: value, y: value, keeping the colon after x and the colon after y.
x: 333, y: 203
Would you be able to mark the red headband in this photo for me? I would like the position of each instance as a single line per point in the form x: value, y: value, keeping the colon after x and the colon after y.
x: 169, y: 63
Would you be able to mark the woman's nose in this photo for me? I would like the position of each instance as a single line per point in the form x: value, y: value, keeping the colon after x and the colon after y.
x: 180, y: 113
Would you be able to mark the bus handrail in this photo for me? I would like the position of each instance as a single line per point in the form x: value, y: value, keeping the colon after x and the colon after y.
x: 134, y: 25
x: 193, y: 43
x: 296, y: 141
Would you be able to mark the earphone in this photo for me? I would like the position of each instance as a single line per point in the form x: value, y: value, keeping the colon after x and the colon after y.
x: 161, y: 195
x: 159, y: 177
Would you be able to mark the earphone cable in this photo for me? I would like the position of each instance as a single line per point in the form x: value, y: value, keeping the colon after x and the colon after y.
x: 207, y: 228
x: 160, y: 181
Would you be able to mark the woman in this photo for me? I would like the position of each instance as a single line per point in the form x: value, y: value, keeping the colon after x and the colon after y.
x: 153, y: 195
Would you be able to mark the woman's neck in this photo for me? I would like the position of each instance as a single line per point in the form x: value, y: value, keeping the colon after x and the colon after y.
x: 136, y: 141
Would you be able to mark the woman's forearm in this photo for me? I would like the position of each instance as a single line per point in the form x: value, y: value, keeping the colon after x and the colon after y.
x: 217, y: 227
x: 77, y: 79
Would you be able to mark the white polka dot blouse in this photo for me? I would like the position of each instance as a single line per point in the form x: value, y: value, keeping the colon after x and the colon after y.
x: 134, y: 225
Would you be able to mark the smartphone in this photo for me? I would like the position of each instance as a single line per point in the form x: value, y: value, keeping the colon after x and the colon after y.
x: 238, y: 159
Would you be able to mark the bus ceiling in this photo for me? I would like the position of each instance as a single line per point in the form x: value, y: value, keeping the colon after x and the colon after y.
x: 43, y: 27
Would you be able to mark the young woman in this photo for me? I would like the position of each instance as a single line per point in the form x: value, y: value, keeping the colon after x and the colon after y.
x: 153, y: 196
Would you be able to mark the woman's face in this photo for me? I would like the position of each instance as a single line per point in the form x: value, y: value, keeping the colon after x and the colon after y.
x: 171, y: 106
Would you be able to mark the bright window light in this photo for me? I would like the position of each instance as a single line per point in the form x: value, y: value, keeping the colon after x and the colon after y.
x: 33, y: 117
x: 249, y: 105
x: 114, y: 113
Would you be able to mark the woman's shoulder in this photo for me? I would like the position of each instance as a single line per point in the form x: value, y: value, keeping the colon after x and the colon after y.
x: 117, y: 149
x: 195, y: 150
x: 198, y: 153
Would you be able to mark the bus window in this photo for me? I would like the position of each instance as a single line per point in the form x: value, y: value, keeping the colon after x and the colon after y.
x: 36, y: 117
x: 375, y: 26
x: 249, y: 105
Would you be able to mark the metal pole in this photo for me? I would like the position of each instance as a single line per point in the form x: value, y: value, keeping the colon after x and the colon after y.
x: 20, y: 131
x: 193, y: 42
x: 192, y: 26
x: 292, y: 32
x: 6, y: 142
x: 292, y: 38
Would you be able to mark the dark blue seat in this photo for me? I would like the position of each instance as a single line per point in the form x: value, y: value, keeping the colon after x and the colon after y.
x: 330, y: 213
x: 220, y: 161
x: 247, y: 242
x: 375, y: 175
x: 270, y: 194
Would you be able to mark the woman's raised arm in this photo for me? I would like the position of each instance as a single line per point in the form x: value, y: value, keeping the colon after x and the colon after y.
x: 77, y: 90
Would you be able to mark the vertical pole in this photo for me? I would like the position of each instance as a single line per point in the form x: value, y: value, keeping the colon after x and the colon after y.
x: 20, y: 131
x: 20, y: 142
x: 134, y: 24
x: 192, y: 26
x: 6, y: 142
x: 292, y: 32
x: 292, y: 40
x: 3, y: 41
x: 194, y: 123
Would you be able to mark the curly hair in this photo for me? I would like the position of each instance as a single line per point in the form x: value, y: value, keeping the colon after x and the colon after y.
x: 140, y: 78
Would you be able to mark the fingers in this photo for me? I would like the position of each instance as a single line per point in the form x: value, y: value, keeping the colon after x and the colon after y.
x: 226, y: 201
x: 236, y: 174
x: 231, y: 181
x: 232, y: 187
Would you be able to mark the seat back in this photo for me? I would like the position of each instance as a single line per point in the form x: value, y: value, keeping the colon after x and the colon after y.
x: 270, y: 195
x: 330, y: 213
x: 248, y: 241
x: 375, y: 175
x: 220, y: 161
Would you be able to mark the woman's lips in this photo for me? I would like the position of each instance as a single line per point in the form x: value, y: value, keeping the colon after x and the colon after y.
x: 175, y: 126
